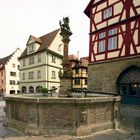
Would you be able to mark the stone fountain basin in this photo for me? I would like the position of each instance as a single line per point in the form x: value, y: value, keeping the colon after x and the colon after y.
x: 38, y: 115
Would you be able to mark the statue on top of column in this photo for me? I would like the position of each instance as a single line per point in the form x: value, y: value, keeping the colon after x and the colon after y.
x: 65, y: 24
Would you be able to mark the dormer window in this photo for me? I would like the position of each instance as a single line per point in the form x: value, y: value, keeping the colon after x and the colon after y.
x: 107, y: 13
x: 31, y: 48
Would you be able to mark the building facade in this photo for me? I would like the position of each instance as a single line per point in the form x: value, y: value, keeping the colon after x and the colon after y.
x: 114, y: 50
x: 79, y: 72
x: 41, y: 62
x: 9, y: 73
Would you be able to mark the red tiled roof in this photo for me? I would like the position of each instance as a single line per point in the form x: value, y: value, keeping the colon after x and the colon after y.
x: 45, y: 41
x: 72, y: 57
x: 86, y: 57
x: 5, y: 59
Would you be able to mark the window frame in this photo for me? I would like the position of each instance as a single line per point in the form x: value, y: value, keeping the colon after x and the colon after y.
x: 39, y: 74
x: 23, y: 76
x: 59, y: 48
x: 31, y: 75
x: 77, y: 81
x: 24, y: 63
x: 112, y: 43
x: 101, y: 38
x: 31, y: 48
x: 12, y: 73
x: 53, y: 59
x: 113, y: 34
x: 12, y: 82
x: 108, y: 14
x: 39, y: 57
x: 31, y: 60
x: 53, y: 74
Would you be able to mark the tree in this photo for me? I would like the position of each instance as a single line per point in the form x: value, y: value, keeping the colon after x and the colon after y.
x: 44, y: 91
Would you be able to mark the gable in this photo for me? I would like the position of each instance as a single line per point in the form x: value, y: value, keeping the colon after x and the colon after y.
x: 33, y: 39
x: 41, y: 43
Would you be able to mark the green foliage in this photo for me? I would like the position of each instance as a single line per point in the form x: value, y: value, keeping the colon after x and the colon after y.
x: 44, y: 91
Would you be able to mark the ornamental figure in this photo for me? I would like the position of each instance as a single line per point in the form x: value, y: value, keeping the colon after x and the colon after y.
x: 65, y: 24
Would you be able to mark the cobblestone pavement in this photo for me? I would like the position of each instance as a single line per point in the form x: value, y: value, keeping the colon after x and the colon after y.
x: 106, y: 135
x: 10, y: 134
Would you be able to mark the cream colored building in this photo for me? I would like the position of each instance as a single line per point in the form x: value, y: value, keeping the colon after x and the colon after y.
x: 41, y: 62
x: 9, y: 73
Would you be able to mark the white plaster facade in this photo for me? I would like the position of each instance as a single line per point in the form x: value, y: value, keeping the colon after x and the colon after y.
x: 44, y: 71
x: 10, y: 70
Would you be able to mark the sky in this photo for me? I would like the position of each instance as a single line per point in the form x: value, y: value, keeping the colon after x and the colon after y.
x: 21, y: 18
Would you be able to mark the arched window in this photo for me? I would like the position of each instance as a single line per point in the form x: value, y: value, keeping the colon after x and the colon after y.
x: 31, y: 89
x: 128, y: 82
x: 38, y: 89
x: 23, y: 89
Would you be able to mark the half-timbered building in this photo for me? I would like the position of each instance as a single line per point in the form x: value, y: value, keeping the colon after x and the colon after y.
x: 114, y: 50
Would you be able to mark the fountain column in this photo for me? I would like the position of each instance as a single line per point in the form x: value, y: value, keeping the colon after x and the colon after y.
x: 66, y: 75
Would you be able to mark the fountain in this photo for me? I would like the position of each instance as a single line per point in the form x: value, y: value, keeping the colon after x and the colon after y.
x: 41, y: 115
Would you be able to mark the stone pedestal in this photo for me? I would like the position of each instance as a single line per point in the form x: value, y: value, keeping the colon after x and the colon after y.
x: 65, y: 85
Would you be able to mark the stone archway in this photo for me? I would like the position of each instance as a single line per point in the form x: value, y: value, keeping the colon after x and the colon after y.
x: 31, y: 89
x: 24, y: 89
x: 128, y: 83
x: 38, y: 89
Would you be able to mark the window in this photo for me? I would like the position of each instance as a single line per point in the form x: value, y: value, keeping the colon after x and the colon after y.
x: 18, y: 67
x: 53, y: 75
x: 77, y: 81
x: 39, y: 58
x: 24, y: 64
x: 17, y: 82
x: 112, y: 43
x: 2, y: 73
x: 113, y: 31
x: 101, y: 45
x: 107, y: 40
x: 31, y: 75
x: 102, y: 35
x: 12, y: 82
x: 59, y: 47
x: 23, y: 89
x: 85, y: 81
x: 112, y: 40
x: 53, y: 59
x: 31, y: 48
x: 23, y: 76
x: 31, y: 89
x: 38, y: 89
x: 31, y: 60
x: 107, y: 13
x: 12, y: 73
x: 77, y: 71
x: 38, y: 74
x: 12, y: 91
x: 13, y: 65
